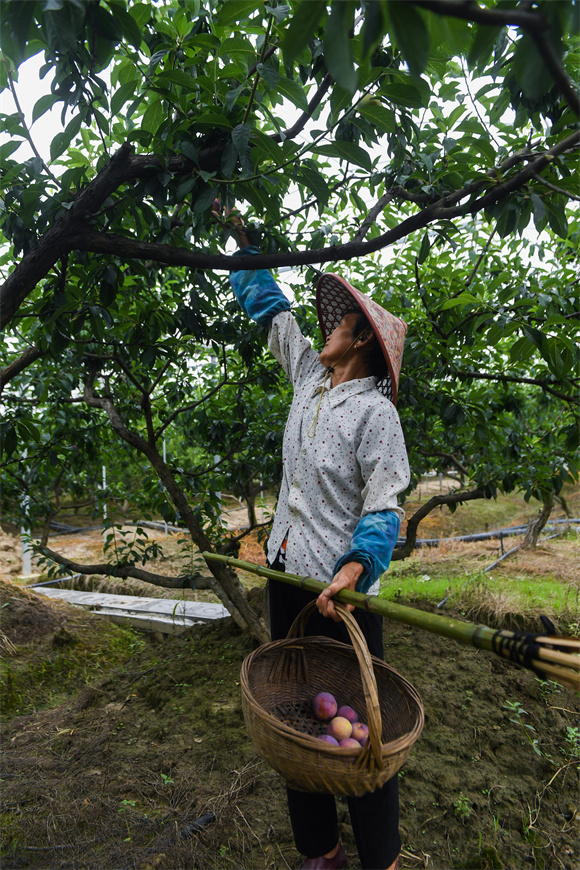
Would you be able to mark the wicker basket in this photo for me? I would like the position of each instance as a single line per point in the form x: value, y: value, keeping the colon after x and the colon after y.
x: 279, y: 681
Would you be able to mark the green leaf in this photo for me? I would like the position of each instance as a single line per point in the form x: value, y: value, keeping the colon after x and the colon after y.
x: 383, y: 119
x: 237, y: 10
x: 237, y: 47
x: 8, y: 148
x: 205, y: 200
x: 373, y: 28
x: 153, y: 117
x: 557, y: 217
x: 262, y: 202
x: 530, y: 70
x: 184, y: 188
x: 521, y: 350
x: 280, y: 13
x: 241, y: 138
x: 62, y: 140
x: 294, y: 92
x: 43, y: 105
x: 122, y: 94
x: 315, y: 182
x: 462, y: 299
x: 178, y: 77
x: 301, y: 28
x: 482, y: 45
x: 338, y: 47
x: 131, y: 30
x: 141, y: 13
x: 425, y: 248
x: 412, y: 36
x: 212, y: 119
x: 407, y: 91
x: 346, y: 151
x: 270, y: 75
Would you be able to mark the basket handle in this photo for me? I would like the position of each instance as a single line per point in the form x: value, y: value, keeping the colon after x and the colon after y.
x: 369, y: 683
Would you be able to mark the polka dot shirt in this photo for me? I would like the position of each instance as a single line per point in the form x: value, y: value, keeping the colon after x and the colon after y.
x: 353, y: 462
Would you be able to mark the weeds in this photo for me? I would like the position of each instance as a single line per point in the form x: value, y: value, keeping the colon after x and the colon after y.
x: 547, y: 689
x: 516, y: 709
x: 462, y: 807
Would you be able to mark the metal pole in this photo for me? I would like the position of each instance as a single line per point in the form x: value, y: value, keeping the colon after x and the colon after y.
x: 104, y: 490
x: 165, y: 463
x: 25, y: 535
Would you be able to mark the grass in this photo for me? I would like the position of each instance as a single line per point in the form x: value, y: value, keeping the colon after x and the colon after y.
x: 531, y: 596
x: 43, y: 673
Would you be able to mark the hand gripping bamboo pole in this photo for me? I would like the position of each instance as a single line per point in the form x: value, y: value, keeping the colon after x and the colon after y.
x: 552, y: 657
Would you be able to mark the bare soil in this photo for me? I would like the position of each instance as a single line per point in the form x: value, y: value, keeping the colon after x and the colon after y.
x: 120, y: 742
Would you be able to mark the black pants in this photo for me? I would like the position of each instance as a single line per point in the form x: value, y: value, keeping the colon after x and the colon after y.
x: 374, y: 816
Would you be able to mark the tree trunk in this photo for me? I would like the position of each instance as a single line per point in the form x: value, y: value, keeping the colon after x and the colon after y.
x: 536, y: 525
x: 226, y: 583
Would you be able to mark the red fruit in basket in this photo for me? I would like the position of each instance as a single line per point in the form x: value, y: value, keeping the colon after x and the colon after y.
x: 339, y: 728
x: 360, y: 732
x: 324, y: 706
x: 349, y: 743
x: 327, y: 738
x: 348, y: 713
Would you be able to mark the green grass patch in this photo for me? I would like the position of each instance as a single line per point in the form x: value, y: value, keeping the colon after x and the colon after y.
x: 42, y: 675
x: 529, y: 596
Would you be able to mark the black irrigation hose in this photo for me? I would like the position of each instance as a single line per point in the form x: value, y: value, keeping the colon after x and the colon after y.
x: 479, y: 536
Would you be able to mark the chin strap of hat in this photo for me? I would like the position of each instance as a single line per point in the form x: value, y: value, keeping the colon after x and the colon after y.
x: 311, y: 431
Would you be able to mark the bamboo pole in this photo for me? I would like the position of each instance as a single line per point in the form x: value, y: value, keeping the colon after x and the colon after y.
x: 522, y: 647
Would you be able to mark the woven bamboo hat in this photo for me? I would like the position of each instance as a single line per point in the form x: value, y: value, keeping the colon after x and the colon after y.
x: 335, y: 296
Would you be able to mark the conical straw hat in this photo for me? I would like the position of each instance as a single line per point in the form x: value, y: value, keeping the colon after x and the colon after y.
x: 335, y: 296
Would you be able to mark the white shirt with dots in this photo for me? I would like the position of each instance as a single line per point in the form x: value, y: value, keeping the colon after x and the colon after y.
x: 353, y: 462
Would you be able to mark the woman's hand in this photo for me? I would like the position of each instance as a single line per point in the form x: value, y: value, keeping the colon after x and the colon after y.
x: 231, y: 220
x: 345, y: 579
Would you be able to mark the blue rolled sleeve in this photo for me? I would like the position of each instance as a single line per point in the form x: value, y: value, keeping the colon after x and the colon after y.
x: 372, y: 544
x: 257, y: 293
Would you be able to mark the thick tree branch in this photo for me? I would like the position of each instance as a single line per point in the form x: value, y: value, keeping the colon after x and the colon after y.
x: 469, y: 11
x: 436, y: 501
x: 70, y: 230
x: 373, y: 214
x: 316, y: 100
x: 111, y: 570
x: 444, y: 209
x: 30, y: 355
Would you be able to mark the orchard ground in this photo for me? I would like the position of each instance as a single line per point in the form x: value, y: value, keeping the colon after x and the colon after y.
x: 114, y: 741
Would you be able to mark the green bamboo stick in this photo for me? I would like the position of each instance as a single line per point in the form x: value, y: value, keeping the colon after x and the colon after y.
x: 479, y: 636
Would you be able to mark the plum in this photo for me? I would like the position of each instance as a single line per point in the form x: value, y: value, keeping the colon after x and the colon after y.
x: 328, y: 738
x: 324, y: 706
x: 348, y: 713
x: 339, y: 728
x: 360, y: 732
x: 349, y: 743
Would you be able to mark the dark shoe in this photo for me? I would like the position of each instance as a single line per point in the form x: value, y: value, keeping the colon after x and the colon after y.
x: 335, y: 863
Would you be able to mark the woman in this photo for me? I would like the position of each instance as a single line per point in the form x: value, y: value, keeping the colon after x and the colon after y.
x: 337, y: 519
